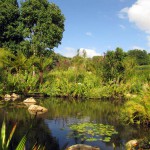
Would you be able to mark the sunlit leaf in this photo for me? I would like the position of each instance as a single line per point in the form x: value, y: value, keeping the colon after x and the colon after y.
x: 3, y: 133
x: 11, y: 134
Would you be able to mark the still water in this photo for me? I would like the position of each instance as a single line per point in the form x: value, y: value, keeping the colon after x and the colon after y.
x: 52, y: 130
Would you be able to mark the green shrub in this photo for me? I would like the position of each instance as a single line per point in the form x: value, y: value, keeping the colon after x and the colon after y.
x: 136, y: 110
x: 23, y: 82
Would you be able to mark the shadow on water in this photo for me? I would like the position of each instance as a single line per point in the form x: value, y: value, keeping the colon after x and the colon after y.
x: 39, y: 132
x: 52, y: 130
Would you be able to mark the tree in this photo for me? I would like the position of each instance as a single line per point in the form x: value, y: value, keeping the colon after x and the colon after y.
x: 113, y: 68
x: 33, y: 28
x: 141, y: 56
x: 9, y: 24
x: 43, y: 25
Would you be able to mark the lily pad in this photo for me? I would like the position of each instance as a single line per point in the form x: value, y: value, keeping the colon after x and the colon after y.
x: 92, y: 131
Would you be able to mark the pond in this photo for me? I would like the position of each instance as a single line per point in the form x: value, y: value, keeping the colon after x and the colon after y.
x: 55, y: 129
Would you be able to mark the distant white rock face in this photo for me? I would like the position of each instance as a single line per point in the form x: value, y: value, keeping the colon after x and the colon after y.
x: 37, y: 110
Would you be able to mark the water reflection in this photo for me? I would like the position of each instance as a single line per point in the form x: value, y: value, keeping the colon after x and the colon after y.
x: 52, y: 129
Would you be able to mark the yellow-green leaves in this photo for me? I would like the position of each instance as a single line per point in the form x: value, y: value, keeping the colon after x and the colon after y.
x: 92, y: 132
x: 3, y: 134
x: 11, y: 134
x: 5, y: 144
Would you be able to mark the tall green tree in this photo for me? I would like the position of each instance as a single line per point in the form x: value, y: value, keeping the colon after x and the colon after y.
x: 34, y: 27
x: 43, y: 25
x: 10, y: 32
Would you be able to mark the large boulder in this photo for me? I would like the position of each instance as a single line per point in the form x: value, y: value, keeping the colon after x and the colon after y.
x: 29, y: 101
x: 131, y: 144
x: 82, y: 147
x: 37, y: 110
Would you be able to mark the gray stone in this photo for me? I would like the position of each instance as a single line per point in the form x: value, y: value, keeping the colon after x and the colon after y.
x: 82, y: 147
x: 7, y: 96
x: 30, y: 100
x: 131, y: 144
x: 37, y: 110
x: 13, y: 95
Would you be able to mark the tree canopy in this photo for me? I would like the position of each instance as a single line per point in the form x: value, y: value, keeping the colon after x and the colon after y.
x: 9, y: 24
x: 141, y: 56
x: 36, y: 25
x: 112, y: 65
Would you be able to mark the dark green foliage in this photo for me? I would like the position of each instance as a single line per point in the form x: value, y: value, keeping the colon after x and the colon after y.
x: 112, y: 65
x: 28, y: 63
x: 9, y: 24
x: 43, y: 25
x: 141, y: 56
x: 33, y: 28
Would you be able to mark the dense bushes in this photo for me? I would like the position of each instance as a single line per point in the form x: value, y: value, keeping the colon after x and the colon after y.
x: 116, y: 76
x: 137, y: 110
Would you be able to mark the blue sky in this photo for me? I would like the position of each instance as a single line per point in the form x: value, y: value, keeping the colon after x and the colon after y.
x: 101, y: 25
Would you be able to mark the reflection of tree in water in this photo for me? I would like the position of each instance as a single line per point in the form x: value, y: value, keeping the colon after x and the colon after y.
x: 64, y: 113
x: 38, y: 133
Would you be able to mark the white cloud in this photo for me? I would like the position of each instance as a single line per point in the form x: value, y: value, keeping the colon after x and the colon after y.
x: 123, y: 13
x: 148, y: 38
x: 89, y: 52
x: 137, y: 47
x: 88, y: 33
x: 138, y: 14
x: 69, y: 51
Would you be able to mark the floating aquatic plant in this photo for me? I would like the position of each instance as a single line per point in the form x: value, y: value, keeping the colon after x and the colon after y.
x: 92, y: 132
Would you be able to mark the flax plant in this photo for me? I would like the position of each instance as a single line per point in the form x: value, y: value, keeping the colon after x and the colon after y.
x: 5, y: 143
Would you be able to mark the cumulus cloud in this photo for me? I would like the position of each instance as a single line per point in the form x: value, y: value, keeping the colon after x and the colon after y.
x: 89, y: 52
x: 123, y: 13
x: 69, y: 51
x: 138, y: 14
x: 137, y: 47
